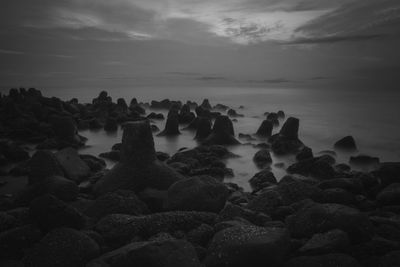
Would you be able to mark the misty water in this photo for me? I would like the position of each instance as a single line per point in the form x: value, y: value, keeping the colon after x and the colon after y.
x: 372, y: 117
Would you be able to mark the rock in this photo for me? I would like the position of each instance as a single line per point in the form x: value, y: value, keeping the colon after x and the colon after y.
x: 95, y: 164
x: 262, y: 179
x: 222, y: 133
x: 43, y: 164
x: 138, y: 169
x: 317, y: 218
x: 73, y: 166
x: 390, y: 195
x: 118, y: 202
x: 7, y: 221
x: 206, y: 104
x: 331, y: 241
x: 290, y: 128
x: 233, y: 212
x: 314, y: 167
x: 48, y: 212
x: 62, y: 247
x: 280, y: 114
x: 265, y: 129
x: 346, y: 143
x: 304, y: 154
x: 155, y: 116
x: 339, y: 196
x: 271, y: 116
x: 391, y: 259
x: 233, y: 113
x: 171, y: 127
x: 113, y: 155
x: 161, y: 156
x: 66, y: 132
x: 364, y: 160
x: 262, y: 158
x: 327, y: 260
x: 163, y: 253
x: 95, y: 124
x: 248, y: 246
x: 111, y: 125
x: 201, y: 193
x: 119, y: 229
x: 12, y: 152
x: 352, y: 185
x: 203, y: 128
x: 200, y: 235
x: 389, y: 172
x: 221, y: 107
x: 14, y: 241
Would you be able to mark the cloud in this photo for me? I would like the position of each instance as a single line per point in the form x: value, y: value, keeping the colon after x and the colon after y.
x: 334, y: 39
x: 10, y: 52
x: 272, y: 81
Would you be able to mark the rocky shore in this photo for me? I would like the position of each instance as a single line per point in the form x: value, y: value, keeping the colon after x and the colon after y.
x: 159, y: 210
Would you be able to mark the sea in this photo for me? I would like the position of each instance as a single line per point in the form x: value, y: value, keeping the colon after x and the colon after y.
x: 371, y: 117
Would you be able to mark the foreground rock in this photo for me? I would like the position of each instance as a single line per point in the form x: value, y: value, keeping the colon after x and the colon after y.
x: 164, y: 253
x: 346, y: 143
x: 328, y: 260
x: 73, y: 166
x: 248, y: 246
x: 139, y: 168
x: 222, y: 133
x: 62, y: 247
x: 287, y: 141
x: 171, y: 127
x: 201, y: 193
x: 265, y: 129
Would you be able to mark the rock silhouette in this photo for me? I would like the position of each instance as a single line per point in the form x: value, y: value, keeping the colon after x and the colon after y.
x: 222, y: 133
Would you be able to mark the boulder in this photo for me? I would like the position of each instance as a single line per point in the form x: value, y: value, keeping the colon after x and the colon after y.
x: 162, y: 253
x: 327, y: 260
x: 304, y: 154
x: 346, y: 143
x: 14, y: 241
x: 262, y: 179
x: 201, y: 193
x: 43, y: 164
x: 233, y: 212
x: 48, y: 212
x: 318, y: 218
x: 139, y: 168
x: 389, y: 172
x: 262, y: 158
x: 7, y: 221
x: 119, y: 229
x: 171, y: 127
x: 73, y: 166
x: 352, y: 185
x: 66, y: 132
x: 206, y: 104
x: 62, y: 247
x: 391, y: 259
x: 111, y: 125
x: 222, y: 133
x: 328, y: 242
x: 118, y: 202
x: 390, y: 195
x: 339, y: 196
x: 290, y: 128
x: 248, y: 246
x: 233, y: 113
x: 265, y: 129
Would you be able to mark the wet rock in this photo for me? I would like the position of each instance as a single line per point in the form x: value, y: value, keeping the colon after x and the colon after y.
x: 221, y: 107
x: 7, y: 221
x: 391, y: 259
x: 262, y: 158
x: 390, y: 195
x: 14, y: 241
x: 201, y: 193
x: 111, y: 125
x: 353, y: 185
x: 138, y: 169
x: 155, y: 116
x: 280, y: 114
x: 43, y: 164
x: 12, y: 152
x: 161, y: 156
x: 262, y: 180
x: 272, y: 116
x: 265, y: 129
x: 113, y: 155
x: 290, y: 128
x: 364, y: 160
x: 62, y: 247
x: 200, y: 235
x: 48, y: 212
x: 95, y: 164
x: 171, y: 127
x: 118, y: 202
x: 287, y: 142
x: 66, y: 132
x: 119, y: 229
x: 305, y: 153
x: 346, y: 143
x: 339, y: 196
x: 203, y: 128
x: 315, y: 167
x: 248, y: 246
x: 166, y: 253
x: 317, y: 218
x: 233, y: 113
x: 73, y: 166
x: 222, y: 133
x: 95, y: 124
x: 327, y: 260
x: 389, y: 172
x: 233, y: 212
x: 206, y: 104
x: 331, y: 241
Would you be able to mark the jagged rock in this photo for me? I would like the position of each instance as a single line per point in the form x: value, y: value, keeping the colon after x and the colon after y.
x: 262, y: 158
x: 203, y: 128
x: 305, y: 153
x: 73, y: 166
x: 248, y: 246
x: 265, y: 129
x: 206, y: 104
x: 346, y: 143
x: 138, y: 169
x: 171, y: 127
x: 62, y: 247
x: 222, y: 133
x: 287, y: 141
x: 262, y: 179
x: 160, y: 253
x: 201, y: 193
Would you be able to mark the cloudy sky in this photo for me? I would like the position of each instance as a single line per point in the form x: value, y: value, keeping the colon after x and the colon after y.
x: 289, y: 43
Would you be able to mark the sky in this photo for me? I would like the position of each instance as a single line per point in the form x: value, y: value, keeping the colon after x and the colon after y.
x: 269, y: 43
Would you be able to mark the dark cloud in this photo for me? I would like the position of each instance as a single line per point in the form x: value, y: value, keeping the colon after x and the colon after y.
x: 272, y: 81
x: 334, y: 39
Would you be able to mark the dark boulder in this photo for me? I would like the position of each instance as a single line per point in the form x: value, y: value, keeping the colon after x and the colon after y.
x: 159, y: 253
x: 290, y: 128
x: 201, y: 193
x: 287, y: 141
x: 43, y: 164
x: 328, y: 242
x: 233, y: 212
x: 248, y: 246
x: 346, y: 143
x: 318, y: 218
x: 118, y: 202
x: 265, y: 129
x: 73, y: 166
x: 305, y: 153
x: 113, y: 155
x: 390, y: 195
x: 281, y: 114
x: 262, y: 180
x: 203, y: 128
x: 327, y: 260
x: 389, y: 172
x: 111, y: 125
x: 138, y: 169
x: 262, y: 158
x: 233, y: 113
x: 206, y: 104
x: 155, y: 116
x: 62, y: 247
